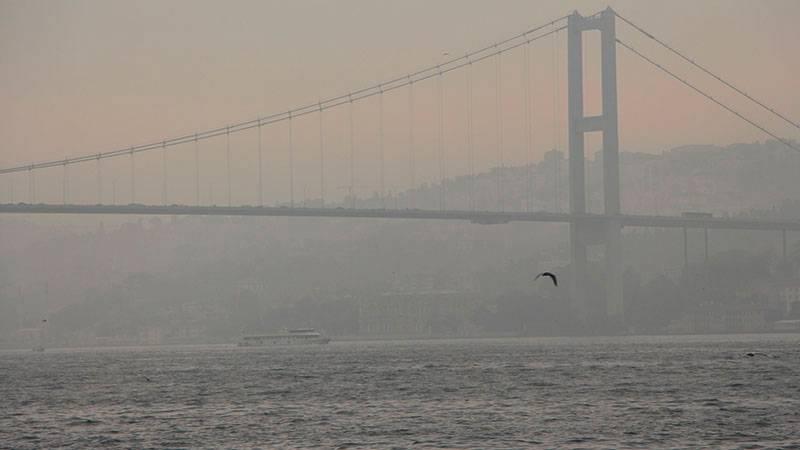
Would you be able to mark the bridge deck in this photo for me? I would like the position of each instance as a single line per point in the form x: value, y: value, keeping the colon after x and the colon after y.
x: 481, y: 217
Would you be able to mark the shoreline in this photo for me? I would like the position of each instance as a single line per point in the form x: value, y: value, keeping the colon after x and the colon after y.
x: 408, y: 339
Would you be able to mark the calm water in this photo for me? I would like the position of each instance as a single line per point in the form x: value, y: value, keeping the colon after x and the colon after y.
x: 599, y: 392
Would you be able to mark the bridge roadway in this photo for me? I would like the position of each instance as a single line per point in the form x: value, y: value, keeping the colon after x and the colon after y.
x: 479, y: 217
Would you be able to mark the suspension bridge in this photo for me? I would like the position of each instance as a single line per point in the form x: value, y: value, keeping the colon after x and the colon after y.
x: 478, y: 206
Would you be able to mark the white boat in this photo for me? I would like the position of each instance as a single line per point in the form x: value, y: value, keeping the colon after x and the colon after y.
x: 297, y: 336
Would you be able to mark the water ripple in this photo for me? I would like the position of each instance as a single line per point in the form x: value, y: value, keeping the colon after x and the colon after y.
x: 574, y: 393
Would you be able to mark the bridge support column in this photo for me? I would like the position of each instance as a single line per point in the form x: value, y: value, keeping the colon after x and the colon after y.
x: 614, y: 267
x: 577, y: 187
x: 783, y: 245
x: 685, y: 252
x: 606, y: 123
x: 615, y: 307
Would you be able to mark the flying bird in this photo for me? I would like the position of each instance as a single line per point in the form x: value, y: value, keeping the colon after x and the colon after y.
x: 550, y: 275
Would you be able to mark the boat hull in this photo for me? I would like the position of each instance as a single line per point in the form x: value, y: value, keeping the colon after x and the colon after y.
x: 291, y: 338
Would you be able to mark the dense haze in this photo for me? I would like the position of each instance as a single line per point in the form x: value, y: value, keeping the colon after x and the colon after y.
x: 84, y: 77
x: 192, y: 279
x: 90, y: 76
x: 399, y: 224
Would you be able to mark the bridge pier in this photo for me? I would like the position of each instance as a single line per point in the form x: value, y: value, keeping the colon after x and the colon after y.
x: 577, y: 190
x: 614, y: 267
x: 685, y: 252
x: 579, y: 263
x: 582, y: 234
x: 783, y: 246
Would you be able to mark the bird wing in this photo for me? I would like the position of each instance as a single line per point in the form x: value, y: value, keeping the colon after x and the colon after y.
x: 549, y: 275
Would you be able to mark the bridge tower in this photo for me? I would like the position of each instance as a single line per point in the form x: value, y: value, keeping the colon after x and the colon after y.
x: 582, y: 231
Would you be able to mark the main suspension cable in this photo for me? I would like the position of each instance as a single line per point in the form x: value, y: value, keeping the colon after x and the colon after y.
x: 378, y: 89
x: 708, y: 96
x: 709, y: 72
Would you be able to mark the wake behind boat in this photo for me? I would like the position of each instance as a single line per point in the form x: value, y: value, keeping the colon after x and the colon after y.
x: 297, y: 336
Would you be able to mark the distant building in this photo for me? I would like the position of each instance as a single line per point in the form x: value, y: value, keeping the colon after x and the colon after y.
x: 430, y: 313
x: 787, y: 326
x: 28, y: 336
x: 788, y: 296
x: 734, y: 319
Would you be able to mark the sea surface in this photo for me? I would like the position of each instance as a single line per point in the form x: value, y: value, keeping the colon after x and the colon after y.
x: 625, y: 392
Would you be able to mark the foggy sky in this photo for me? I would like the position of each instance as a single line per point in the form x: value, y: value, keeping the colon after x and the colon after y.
x: 82, y: 77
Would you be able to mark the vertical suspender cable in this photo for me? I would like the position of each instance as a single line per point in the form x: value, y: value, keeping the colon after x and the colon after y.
x: 411, y: 154
x: 499, y: 119
x: 228, y: 157
x: 380, y: 147
x: 64, y: 178
x: 526, y: 87
x: 31, y: 186
x: 99, y: 181
x: 260, y: 169
x: 556, y: 96
x: 321, y: 159
x: 470, y: 143
x: 291, y: 163
x: 352, y: 156
x: 133, y: 177
x: 556, y: 169
x: 497, y: 125
x: 164, y: 196
x: 442, y: 192
x: 196, y: 171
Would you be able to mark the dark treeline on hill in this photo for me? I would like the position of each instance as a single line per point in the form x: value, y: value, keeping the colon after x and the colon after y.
x: 195, y: 279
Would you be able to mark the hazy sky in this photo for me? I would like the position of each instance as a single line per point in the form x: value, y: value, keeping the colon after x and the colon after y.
x: 87, y: 76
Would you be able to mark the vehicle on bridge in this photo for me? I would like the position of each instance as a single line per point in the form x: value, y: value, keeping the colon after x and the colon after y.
x: 697, y: 215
